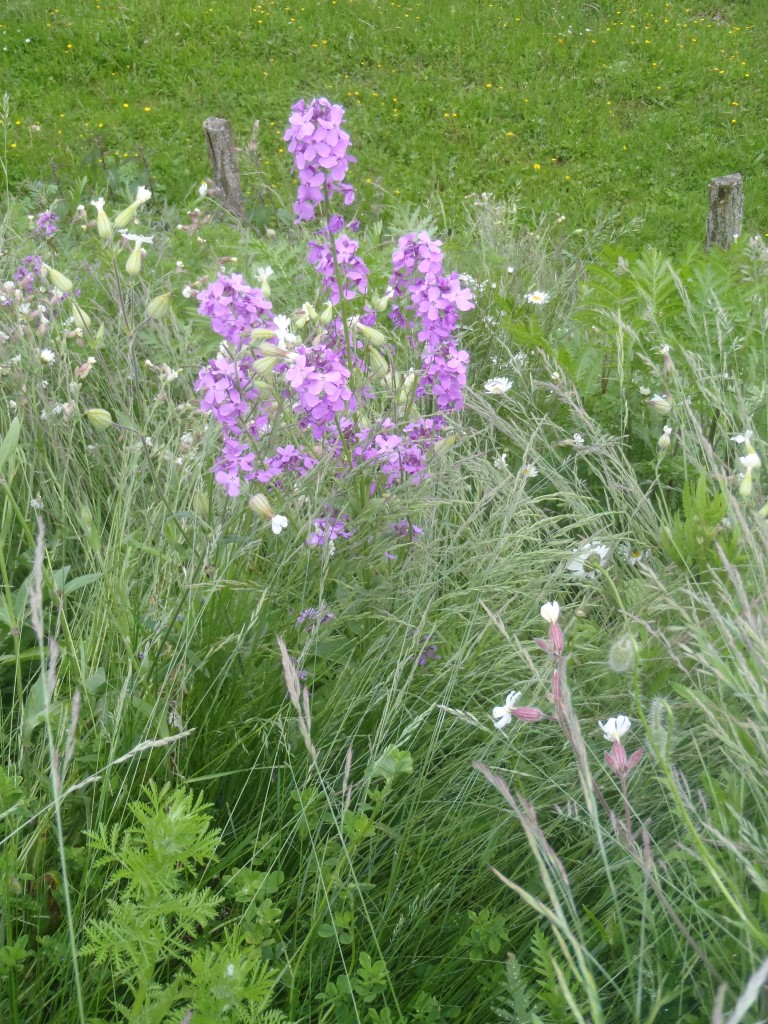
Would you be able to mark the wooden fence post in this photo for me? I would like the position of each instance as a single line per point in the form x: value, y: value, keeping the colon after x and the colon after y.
x: 226, y: 172
x: 726, y: 206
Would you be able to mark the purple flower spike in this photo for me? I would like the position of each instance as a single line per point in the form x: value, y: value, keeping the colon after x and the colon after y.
x: 319, y: 146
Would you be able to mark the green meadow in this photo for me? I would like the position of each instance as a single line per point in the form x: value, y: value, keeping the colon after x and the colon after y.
x: 383, y: 621
x: 590, y: 110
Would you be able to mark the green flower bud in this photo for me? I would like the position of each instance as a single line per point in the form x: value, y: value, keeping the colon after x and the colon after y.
x: 58, y: 280
x: 622, y: 654
x: 99, y: 418
x: 160, y: 306
x: 81, y: 318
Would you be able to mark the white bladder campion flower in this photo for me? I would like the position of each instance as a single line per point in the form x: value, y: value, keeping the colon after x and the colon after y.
x: 498, y: 385
x: 750, y: 462
x: 550, y: 611
x: 259, y: 504
x: 660, y: 404
x: 537, y: 298
x: 666, y: 438
x: 279, y: 523
x: 615, y: 728
x: 588, y: 559
x: 502, y: 715
x: 133, y: 263
x: 745, y: 438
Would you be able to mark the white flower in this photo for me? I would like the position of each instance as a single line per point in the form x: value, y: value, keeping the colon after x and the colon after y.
x: 660, y: 404
x: 502, y: 715
x: 665, y: 439
x: 188, y: 291
x: 498, y: 385
x: 588, y: 559
x: 550, y: 611
x: 615, y: 728
x: 578, y: 439
x: 664, y: 350
x: 264, y: 273
x: 633, y: 555
x: 528, y: 470
x: 744, y: 438
x: 537, y: 298
x: 46, y: 356
x: 37, y: 504
x: 137, y: 239
x: 750, y: 461
x: 510, y: 270
x: 282, y: 329
x: 98, y: 204
x: 500, y: 462
x: 279, y: 523
x: 203, y: 190
x: 644, y: 391
x: 143, y: 195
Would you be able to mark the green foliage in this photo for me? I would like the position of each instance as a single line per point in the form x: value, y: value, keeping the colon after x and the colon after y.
x: 695, y: 533
x: 152, y: 937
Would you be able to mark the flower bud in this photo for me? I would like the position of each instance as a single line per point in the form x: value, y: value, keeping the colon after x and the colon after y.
x: 125, y: 217
x: 81, y: 318
x: 408, y: 389
x: 660, y: 404
x: 665, y: 439
x: 133, y: 263
x: 377, y: 362
x: 99, y: 418
x: 60, y: 281
x: 259, y: 504
x: 327, y: 315
x: 266, y: 366
x: 373, y: 335
x: 272, y: 351
x: 622, y: 654
x: 381, y: 303
x: 308, y: 312
x: 160, y: 306
x: 200, y: 504
x: 103, y: 223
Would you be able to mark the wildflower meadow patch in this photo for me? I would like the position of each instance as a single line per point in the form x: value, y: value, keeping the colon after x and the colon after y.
x: 382, y: 616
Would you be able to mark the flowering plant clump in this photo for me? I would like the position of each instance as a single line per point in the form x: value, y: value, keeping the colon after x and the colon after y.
x: 347, y: 385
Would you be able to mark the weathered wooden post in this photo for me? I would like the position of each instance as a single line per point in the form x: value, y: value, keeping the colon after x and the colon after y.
x: 726, y: 207
x: 226, y: 172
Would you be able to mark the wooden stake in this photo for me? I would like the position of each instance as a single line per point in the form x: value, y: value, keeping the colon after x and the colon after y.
x: 726, y: 207
x: 226, y: 172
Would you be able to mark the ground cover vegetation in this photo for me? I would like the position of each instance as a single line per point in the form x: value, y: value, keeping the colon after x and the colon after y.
x: 383, y: 625
x: 594, y: 108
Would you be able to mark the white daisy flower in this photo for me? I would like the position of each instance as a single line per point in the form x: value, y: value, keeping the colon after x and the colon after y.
x: 588, y: 559
x: 537, y: 298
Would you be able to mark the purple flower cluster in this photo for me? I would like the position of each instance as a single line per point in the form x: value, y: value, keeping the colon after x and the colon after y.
x: 320, y: 388
x: 327, y: 529
x: 46, y: 224
x: 28, y: 273
x: 321, y: 382
x: 314, y: 617
x: 234, y: 308
x: 433, y: 301
x: 319, y: 146
x: 352, y: 271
